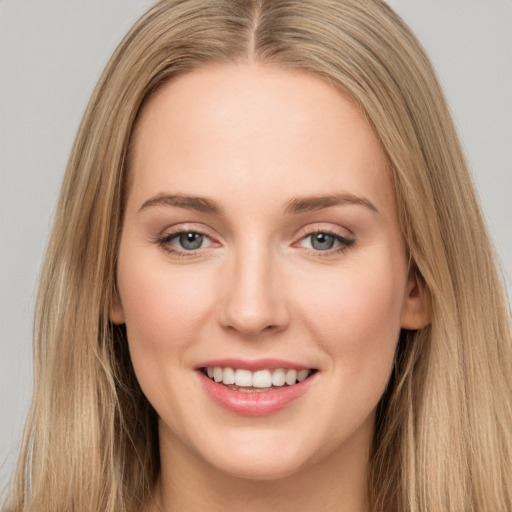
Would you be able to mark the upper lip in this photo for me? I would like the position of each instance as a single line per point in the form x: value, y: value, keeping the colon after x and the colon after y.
x: 253, y: 365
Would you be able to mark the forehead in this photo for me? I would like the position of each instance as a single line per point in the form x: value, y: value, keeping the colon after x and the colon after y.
x: 260, y: 130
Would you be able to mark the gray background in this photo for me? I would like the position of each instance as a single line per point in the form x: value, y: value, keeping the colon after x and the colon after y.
x: 51, y: 54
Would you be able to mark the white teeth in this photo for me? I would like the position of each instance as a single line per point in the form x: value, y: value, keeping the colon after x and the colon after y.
x: 291, y: 377
x: 243, y: 378
x: 228, y: 376
x: 262, y: 379
x: 259, y: 379
x: 278, y: 377
x: 302, y: 374
x: 217, y: 374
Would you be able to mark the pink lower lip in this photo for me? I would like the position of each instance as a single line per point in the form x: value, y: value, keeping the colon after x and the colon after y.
x: 254, y: 404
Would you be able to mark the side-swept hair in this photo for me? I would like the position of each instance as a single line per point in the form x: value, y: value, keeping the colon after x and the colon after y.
x: 443, y: 433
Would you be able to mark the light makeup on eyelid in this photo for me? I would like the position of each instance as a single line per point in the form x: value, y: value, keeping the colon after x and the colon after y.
x: 190, y: 242
x: 174, y: 240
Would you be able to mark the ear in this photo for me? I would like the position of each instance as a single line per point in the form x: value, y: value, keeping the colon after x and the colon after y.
x: 116, y: 315
x: 415, y: 308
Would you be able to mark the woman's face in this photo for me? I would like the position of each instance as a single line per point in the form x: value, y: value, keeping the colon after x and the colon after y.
x: 261, y: 244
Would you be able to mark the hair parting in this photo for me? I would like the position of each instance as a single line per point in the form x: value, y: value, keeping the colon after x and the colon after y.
x: 443, y: 430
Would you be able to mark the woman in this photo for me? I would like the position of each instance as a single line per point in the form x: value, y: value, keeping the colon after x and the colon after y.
x: 254, y: 294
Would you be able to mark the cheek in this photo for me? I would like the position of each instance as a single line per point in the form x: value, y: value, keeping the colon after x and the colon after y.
x: 356, y: 317
x: 163, y: 306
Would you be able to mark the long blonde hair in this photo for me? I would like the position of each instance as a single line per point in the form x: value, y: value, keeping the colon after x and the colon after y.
x: 443, y: 433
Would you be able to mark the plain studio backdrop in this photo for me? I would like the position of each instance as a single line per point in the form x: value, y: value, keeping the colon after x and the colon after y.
x: 51, y: 55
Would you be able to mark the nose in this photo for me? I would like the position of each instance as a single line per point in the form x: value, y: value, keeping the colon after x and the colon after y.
x: 254, y: 300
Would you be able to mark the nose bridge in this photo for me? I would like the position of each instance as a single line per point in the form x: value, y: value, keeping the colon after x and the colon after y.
x: 254, y: 298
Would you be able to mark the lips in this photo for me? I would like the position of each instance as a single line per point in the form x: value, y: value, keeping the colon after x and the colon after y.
x: 255, y: 388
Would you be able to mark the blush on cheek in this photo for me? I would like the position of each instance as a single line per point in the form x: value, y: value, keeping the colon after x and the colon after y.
x: 165, y: 306
x: 358, y: 323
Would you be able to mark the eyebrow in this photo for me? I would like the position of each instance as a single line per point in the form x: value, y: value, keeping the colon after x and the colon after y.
x: 307, y: 204
x: 295, y: 205
x: 200, y: 204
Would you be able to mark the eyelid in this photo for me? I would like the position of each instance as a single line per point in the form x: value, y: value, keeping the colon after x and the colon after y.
x: 326, y: 228
x: 346, y: 241
x: 164, y: 240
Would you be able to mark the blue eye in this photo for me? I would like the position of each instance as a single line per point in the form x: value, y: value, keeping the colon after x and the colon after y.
x: 189, y: 240
x: 182, y: 242
x: 322, y: 241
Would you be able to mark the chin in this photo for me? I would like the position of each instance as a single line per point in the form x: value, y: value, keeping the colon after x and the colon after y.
x: 262, y: 470
x: 262, y: 459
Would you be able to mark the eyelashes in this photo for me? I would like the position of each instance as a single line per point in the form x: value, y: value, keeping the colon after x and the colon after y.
x: 325, y: 241
x: 189, y: 240
x: 191, y: 243
x: 186, y: 243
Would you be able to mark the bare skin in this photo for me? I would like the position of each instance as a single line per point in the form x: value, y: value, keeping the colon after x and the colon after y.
x: 292, y: 251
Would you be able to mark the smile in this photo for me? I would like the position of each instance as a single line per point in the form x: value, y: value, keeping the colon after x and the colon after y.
x: 239, y: 379
x: 257, y: 388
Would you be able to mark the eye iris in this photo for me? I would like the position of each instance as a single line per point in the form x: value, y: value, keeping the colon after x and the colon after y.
x: 191, y: 241
x: 322, y: 241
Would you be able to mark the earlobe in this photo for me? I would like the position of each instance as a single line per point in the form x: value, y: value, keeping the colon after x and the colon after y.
x: 416, y: 308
